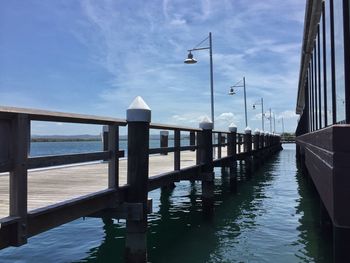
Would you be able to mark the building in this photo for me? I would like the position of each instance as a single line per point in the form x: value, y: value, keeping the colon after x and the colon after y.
x: 323, y: 103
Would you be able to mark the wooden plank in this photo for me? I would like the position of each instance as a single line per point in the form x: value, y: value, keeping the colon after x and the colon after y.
x: 161, y: 150
x: 5, y: 166
x: 171, y: 149
x: 172, y: 127
x: 8, y: 230
x: 43, y: 115
x: 45, y: 218
x: 56, y: 160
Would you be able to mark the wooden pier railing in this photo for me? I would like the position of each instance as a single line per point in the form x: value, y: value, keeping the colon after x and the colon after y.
x: 127, y: 201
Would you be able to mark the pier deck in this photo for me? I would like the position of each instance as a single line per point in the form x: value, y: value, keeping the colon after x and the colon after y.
x: 50, y: 186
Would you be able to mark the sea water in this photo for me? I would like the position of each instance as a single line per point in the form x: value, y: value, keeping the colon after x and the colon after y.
x: 273, y: 217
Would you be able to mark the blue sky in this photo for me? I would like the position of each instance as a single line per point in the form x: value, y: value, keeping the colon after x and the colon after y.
x: 94, y: 57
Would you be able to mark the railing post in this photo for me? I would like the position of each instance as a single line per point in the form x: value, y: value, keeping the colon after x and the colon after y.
x: 164, y: 139
x: 261, y: 140
x: 265, y: 139
x: 138, y: 118
x: 219, y: 144
x: 104, y: 137
x: 177, y: 152
x: 239, y: 142
x: 256, y: 157
x: 19, y: 176
x: 192, y: 139
x: 231, y: 151
x: 256, y: 139
x: 248, y: 140
x: 113, y: 148
x: 199, y: 147
x: 248, y: 149
x: 208, y: 169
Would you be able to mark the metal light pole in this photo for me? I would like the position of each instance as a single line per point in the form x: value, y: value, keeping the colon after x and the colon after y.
x: 282, y: 121
x: 245, y: 103
x: 191, y: 60
x: 262, y: 112
x: 232, y: 92
x: 270, y: 120
x: 274, y: 123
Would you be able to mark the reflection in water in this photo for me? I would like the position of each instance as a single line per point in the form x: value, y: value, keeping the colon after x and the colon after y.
x: 273, y: 217
x: 317, y: 241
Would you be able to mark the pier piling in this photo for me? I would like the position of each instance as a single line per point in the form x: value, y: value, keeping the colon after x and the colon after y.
x: 248, y: 149
x: 138, y: 118
x: 231, y: 151
x: 208, y: 168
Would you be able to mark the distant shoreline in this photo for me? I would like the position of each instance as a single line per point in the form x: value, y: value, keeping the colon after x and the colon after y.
x: 65, y: 140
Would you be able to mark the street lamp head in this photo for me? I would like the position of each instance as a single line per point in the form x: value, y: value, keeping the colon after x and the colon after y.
x: 190, y: 59
x: 232, y: 91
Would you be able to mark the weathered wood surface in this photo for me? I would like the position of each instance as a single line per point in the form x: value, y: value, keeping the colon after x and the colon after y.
x: 49, y: 186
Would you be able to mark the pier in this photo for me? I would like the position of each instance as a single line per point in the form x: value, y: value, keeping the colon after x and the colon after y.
x: 322, y: 135
x: 113, y: 186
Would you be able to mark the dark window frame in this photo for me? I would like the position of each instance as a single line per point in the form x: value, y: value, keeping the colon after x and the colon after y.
x: 334, y: 95
x: 319, y: 78
x: 324, y: 60
x: 315, y: 84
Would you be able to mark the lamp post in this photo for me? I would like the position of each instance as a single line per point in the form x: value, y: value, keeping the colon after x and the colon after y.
x: 274, y: 123
x: 232, y: 92
x: 282, y: 122
x: 262, y: 112
x: 270, y: 119
x: 191, y: 60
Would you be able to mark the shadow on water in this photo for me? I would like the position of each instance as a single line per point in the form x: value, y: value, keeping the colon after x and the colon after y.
x: 273, y: 217
x: 317, y: 240
x: 178, y: 231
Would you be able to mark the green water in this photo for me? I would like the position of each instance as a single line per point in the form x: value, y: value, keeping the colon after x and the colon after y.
x: 272, y: 218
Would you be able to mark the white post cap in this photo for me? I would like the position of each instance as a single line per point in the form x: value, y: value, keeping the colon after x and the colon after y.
x: 257, y: 132
x: 138, y: 111
x: 164, y: 133
x: 232, y: 127
x: 206, y: 124
x: 248, y: 130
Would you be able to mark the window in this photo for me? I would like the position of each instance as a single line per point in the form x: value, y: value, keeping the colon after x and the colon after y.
x: 339, y: 60
x: 321, y: 74
x: 328, y: 61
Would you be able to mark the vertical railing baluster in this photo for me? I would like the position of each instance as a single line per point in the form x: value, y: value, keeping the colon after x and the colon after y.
x: 164, y: 141
x: 177, y: 152
x: 219, y: 144
x: 113, y: 148
x: 19, y: 176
